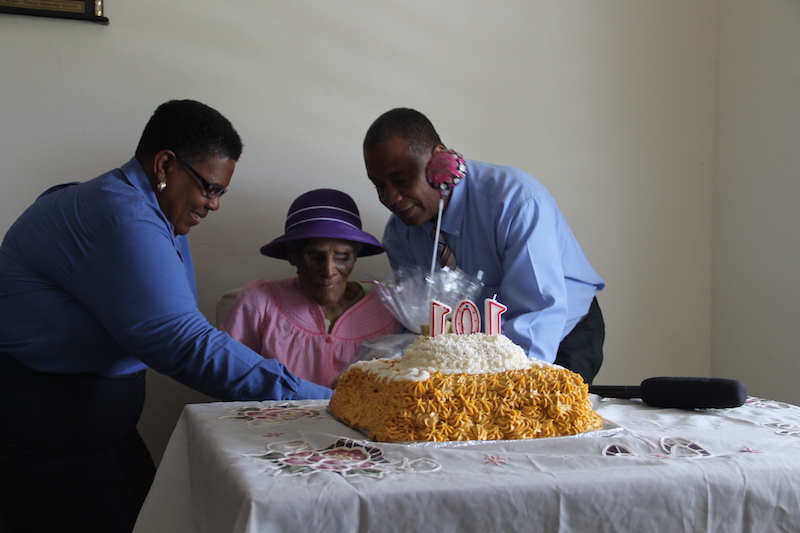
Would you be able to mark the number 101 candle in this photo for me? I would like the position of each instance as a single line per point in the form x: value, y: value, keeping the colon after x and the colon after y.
x: 466, y: 318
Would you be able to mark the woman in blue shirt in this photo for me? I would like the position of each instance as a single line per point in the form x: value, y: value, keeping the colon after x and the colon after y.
x: 97, y: 284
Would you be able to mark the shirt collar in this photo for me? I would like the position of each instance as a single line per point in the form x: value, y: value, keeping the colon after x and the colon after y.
x: 454, y: 213
x: 135, y: 175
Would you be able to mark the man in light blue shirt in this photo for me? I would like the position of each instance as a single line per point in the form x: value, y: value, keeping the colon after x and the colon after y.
x: 498, y: 220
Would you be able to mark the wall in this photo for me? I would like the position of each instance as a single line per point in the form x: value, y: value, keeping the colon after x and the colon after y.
x: 756, y: 192
x: 610, y: 104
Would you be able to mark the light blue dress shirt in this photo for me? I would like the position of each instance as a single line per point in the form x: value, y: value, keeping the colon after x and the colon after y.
x: 93, y: 280
x: 503, y: 222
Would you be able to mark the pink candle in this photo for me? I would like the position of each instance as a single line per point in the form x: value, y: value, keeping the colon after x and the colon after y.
x: 438, y: 313
x: 492, y: 310
x: 466, y: 319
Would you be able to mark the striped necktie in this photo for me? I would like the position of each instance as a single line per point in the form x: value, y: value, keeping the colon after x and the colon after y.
x: 446, y: 256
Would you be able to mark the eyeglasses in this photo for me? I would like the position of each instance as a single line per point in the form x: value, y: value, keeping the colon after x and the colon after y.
x: 212, y: 190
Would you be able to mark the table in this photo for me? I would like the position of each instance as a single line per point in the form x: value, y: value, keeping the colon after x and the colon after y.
x: 291, y: 467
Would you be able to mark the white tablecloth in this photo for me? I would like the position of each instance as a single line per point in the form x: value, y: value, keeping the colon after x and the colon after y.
x: 290, y: 467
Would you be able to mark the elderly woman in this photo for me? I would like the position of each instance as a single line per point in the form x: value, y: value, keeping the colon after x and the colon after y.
x: 313, y: 323
x: 96, y: 285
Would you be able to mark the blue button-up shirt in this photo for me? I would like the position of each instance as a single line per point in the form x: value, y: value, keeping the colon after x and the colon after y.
x: 503, y: 222
x: 93, y: 280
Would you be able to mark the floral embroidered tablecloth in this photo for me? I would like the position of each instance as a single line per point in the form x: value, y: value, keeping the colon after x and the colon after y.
x: 291, y: 466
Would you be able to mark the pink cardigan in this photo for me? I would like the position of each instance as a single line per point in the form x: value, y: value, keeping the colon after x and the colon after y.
x: 280, y: 321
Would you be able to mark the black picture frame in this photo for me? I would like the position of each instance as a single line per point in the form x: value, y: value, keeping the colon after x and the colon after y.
x: 89, y: 10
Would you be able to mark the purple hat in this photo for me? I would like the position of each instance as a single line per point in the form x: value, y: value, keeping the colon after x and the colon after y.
x: 323, y: 214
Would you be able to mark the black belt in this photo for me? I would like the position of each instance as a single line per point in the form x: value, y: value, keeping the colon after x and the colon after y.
x: 9, y: 362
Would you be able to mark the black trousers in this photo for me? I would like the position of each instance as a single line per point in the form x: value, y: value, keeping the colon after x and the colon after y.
x: 582, y: 349
x: 70, y: 456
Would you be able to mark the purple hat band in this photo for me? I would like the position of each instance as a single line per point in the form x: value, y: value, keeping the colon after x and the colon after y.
x: 323, y: 214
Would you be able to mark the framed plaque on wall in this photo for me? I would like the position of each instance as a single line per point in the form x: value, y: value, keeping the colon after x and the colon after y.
x: 91, y: 10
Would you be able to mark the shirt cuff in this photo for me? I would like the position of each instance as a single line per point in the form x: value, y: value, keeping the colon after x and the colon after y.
x: 311, y: 391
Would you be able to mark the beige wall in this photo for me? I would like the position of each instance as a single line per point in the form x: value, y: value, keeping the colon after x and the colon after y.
x: 756, y: 331
x: 609, y: 103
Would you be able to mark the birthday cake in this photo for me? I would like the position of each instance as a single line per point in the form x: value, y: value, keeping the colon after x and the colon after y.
x: 462, y: 387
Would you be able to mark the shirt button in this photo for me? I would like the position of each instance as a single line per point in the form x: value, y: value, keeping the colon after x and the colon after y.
x: 328, y: 340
